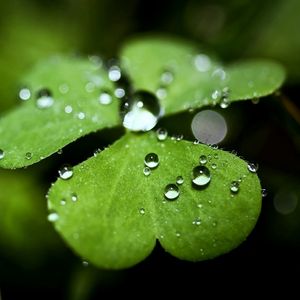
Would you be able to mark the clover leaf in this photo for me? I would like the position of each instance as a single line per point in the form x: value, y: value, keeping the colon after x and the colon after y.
x: 110, y: 209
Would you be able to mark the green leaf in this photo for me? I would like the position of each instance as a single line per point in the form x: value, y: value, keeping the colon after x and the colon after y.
x: 25, y: 234
x: 41, y: 132
x: 198, y: 80
x: 120, y: 212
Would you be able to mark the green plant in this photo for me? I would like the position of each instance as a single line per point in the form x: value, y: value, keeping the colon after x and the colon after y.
x: 107, y: 209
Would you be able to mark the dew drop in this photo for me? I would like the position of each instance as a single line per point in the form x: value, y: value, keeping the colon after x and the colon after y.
x: 85, y: 263
x: 179, y: 180
x: 147, y: 171
x: 63, y: 202
x: 96, y: 152
x: 44, y: 99
x: 64, y: 88
x: 167, y: 77
x: 65, y: 172
x: 178, y: 234
x: 161, y: 134
x: 216, y: 95
x: 199, y: 205
x: 105, y: 98
x: 68, y: 109
x: 202, y: 63
x: 151, y: 160
x: 81, y: 115
x: 24, y: 94
x: 161, y: 93
x: 119, y: 93
x: 28, y: 155
x: 140, y: 112
x: 2, y: 154
x: 224, y: 103
x: 142, y: 211
x: 201, y: 176
x: 234, y: 187
x: 60, y: 151
x: 264, y: 193
x: 203, y: 159
x: 74, y: 197
x: 53, y: 217
x: 252, y: 167
x: 197, y: 222
x: 171, y: 191
x: 114, y: 73
x: 214, y: 166
x: 255, y: 100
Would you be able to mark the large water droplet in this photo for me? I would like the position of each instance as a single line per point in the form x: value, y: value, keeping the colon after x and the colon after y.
x: 201, y: 176
x: 151, y: 160
x: 171, y: 191
x: 105, y: 98
x: 252, y: 167
x: 65, y: 172
x: 53, y: 217
x: 179, y: 180
x: 2, y: 154
x: 24, y: 94
x: 44, y: 99
x: 161, y: 134
x: 234, y: 187
x: 141, y: 111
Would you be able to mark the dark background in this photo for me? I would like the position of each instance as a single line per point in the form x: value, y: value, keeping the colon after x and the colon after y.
x: 35, y: 263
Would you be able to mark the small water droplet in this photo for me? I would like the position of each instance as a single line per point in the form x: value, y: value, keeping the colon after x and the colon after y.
x: 216, y: 94
x: 214, y: 224
x: 179, y: 180
x: 64, y: 88
x: 44, y: 99
x: 105, y: 98
x: 202, y: 63
x: 171, y: 191
x: 60, y: 151
x: 161, y: 93
x: 219, y: 73
x: 28, y: 155
x: 141, y: 111
x: 147, y: 171
x: 53, y: 217
x: 68, y: 109
x: 114, y: 73
x: 214, y: 166
x: 203, y: 159
x: 65, y: 172
x: 196, y: 142
x: 74, y: 197
x: 85, y: 263
x: 197, y: 222
x: 255, y: 100
x: 264, y: 193
x: 167, y: 77
x: 142, y: 211
x: 161, y: 134
x: 119, y: 93
x: 199, y: 205
x: 24, y: 94
x: 201, y: 176
x: 63, y: 202
x: 97, y: 151
x: 178, y: 234
x: 252, y: 167
x: 234, y: 187
x: 151, y: 160
x: 2, y: 154
x: 81, y: 115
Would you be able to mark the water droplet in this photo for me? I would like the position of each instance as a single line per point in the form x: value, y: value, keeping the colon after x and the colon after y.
x: 74, y: 197
x: 167, y: 77
x: 199, y: 205
x: 97, y: 151
x: 44, y: 99
x: 64, y: 88
x: 197, y: 222
x: 178, y: 234
x: 264, y: 193
x: 65, y: 172
x: 219, y: 73
x: 105, y: 98
x: 202, y: 63
x: 81, y: 115
x: 216, y: 95
x: 224, y: 102
x: 177, y: 137
x: 24, y: 94
x: 196, y: 142
x: 252, y: 167
x: 114, y: 73
x: 151, y: 160
x: 68, y: 109
x: 171, y: 191
x: 214, y: 224
x: 119, y: 93
x: 201, y: 176
x: 141, y: 111
x: 216, y: 156
x: 214, y: 166
x: 161, y: 93
x: 53, y: 217
x: 234, y: 187
x: 85, y: 263
x: 161, y: 134
x: 2, y: 154
x: 179, y: 180
x: 142, y: 211
x: 255, y: 100
x: 63, y: 202
x: 28, y: 155
x: 147, y: 171
x: 203, y: 159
